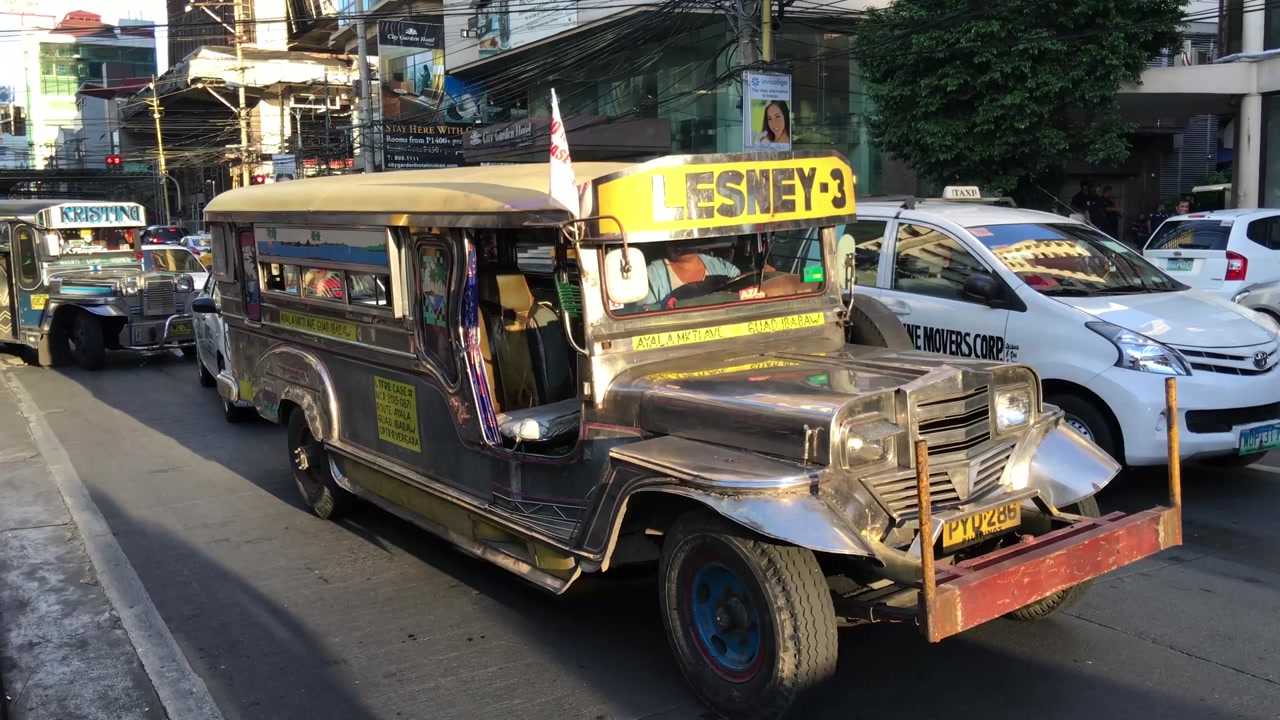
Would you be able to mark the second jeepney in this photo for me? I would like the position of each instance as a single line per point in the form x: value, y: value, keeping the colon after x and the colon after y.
x: 680, y: 376
x: 75, y: 282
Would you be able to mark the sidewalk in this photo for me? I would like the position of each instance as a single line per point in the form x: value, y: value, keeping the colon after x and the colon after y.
x: 64, y: 654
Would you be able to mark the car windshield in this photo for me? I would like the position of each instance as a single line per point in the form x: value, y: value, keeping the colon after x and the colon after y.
x: 726, y: 270
x: 179, y: 260
x: 1072, y: 259
x: 1192, y: 235
x: 94, y: 240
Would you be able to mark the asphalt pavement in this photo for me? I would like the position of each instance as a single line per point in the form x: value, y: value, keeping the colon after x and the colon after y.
x: 285, y: 616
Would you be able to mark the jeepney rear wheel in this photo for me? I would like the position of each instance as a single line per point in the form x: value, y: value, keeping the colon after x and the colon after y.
x: 1064, y: 599
x: 751, y: 622
x: 91, y: 348
x: 311, y: 473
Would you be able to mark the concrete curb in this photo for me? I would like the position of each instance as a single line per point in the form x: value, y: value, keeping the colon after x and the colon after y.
x: 181, y: 691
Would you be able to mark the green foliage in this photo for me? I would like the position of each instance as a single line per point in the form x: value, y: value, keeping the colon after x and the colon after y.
x: 995, y: 92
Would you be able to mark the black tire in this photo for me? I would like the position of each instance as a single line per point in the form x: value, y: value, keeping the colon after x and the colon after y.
x: 1064, y: 599
x: 313, y: 477
x: 187, y: 350
x: 206, y: 378
x: 873, y: 324
x: 54, y: 348
x: 1233, y: 461
x: 91, y: 348
x: 1087, y: 419
x: 780, y: 591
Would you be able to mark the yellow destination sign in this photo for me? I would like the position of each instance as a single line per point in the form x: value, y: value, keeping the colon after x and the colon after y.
x: 318, y: 325
x: 701, y: 197
x: 725, y: 332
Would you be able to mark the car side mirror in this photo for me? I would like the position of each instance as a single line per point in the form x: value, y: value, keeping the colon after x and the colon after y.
x: 53, y: 245
x: 204, y: 306
x: 626, y: 277
x: 846, y: 249
x: 981, y: 287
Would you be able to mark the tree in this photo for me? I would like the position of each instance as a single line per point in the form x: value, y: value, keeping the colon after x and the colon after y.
x: 996, y: 92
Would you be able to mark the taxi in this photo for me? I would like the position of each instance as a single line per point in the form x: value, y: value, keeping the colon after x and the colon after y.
x: 1103, y: 326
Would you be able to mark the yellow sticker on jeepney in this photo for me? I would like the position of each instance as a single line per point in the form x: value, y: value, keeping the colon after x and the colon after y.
x: 726, y: 332
x: 749, y: 367
x: 396, y: 407
x: 318, y: 325
x: 733, y: 194
x: 39, y: 302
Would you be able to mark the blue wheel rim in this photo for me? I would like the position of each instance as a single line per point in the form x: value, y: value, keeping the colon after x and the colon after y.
x: 725, y: 621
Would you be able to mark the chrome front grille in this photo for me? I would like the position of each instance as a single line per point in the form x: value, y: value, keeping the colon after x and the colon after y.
x: 958, y: 483
x: 955, y: 424
x: 1255, y: 360
x: 157, y: 297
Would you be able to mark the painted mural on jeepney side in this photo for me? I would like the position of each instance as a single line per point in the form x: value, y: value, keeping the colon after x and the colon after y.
x: 434, y: 281
x: 361, y: 247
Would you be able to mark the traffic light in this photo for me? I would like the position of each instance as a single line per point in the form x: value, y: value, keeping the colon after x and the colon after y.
x: 258, y: 180
x: 115, y: 163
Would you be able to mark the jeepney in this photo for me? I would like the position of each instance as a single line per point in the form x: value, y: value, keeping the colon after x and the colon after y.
x: 72, y: 275
x: 679, y: 377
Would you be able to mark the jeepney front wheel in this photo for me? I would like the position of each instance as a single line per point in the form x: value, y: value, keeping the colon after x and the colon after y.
x: 90, y: 342
x: 54, y: 349
x: 751, y: 622
x: 311, y: 473
x: 1064, y: 599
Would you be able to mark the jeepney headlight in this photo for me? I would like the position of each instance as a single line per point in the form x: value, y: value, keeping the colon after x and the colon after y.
x: 184, y: 284
x: 129, y: 286
x: 870, y: 442
x: 1013, y: 408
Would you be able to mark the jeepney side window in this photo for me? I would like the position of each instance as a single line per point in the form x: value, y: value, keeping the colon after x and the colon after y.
x: 323, y: 284
x: 223, y: 251
x: 28, y: 266
x: 281, y: 278
x: 435, y: 279
x: 369, y: 289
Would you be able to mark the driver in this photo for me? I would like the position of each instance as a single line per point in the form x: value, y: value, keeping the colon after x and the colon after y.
x: 683, y: 265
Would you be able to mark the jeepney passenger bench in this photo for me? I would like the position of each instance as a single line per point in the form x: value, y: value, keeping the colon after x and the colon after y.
x: 532, y: 360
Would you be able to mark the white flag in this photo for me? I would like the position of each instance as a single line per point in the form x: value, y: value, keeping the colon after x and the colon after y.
x: 564, y: 186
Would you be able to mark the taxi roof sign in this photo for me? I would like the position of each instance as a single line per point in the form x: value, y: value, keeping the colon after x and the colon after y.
x: 961, y: 192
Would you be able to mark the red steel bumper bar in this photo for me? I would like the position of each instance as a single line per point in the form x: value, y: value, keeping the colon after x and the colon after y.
x: 975, y: 591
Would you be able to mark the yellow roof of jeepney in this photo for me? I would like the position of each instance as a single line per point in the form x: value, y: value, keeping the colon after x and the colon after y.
x: 465, y: 190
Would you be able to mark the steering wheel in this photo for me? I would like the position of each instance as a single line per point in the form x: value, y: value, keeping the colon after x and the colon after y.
x: 746, y: 280
x: 705, y: 286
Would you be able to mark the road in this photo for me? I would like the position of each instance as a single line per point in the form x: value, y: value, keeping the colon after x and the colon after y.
x: 287, y: 616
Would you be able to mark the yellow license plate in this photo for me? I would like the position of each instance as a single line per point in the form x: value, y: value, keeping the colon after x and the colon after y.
x: 180, y: 328
x: 971, y: 528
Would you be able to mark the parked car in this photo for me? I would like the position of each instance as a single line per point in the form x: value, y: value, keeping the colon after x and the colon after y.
x: 1103, y: 326
x: 1220, y: 251
x: 164, y: 234
x: 1261, y: 297
x: 212, y: 351
x: 175, y: 259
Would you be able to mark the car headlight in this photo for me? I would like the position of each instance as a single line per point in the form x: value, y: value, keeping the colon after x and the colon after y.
x: 129, y: 286
x: 185, y: 283
x: 1141, y: 353
x: 869, y: 442
x: 1013, y: 408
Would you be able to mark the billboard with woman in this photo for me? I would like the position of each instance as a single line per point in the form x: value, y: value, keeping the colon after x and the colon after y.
x: 766, y: 106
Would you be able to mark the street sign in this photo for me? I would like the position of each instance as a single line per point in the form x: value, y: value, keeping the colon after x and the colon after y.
x: 137, y: 167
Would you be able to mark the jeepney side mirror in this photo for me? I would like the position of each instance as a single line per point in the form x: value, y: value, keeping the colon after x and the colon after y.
x: 204, y: 306
x: 53, y: 244
x: 845, y: 256
x: 626, y: 276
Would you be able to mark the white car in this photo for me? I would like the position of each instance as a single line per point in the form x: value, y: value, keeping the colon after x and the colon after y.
x: 212, y: 351
x: 175, y: 258
x: 1221, y: 251
x: 1101, y: 325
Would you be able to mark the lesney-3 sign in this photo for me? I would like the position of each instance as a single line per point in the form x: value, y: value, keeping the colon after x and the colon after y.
x: 698, y: 197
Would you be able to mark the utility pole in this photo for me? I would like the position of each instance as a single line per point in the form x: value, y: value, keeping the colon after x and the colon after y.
x: 164, y: 171
x: 328, y: 115
x: 238, y: 38
x: 744, y: 18
x: 766, y: 30
x: 365, y: 119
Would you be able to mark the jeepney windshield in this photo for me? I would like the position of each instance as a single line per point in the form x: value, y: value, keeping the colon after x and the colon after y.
x: 94, y: 240
x: 686, y: 274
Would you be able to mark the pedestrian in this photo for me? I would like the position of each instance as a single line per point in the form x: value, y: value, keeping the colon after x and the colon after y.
x: 1097, y: 211
x: 1184, y: 207
x: 1153, y: 221
x: 1110, y: 213
x: 1080, y: 201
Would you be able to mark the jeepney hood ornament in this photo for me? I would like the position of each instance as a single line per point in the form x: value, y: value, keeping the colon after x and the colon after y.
x: 780, y: 403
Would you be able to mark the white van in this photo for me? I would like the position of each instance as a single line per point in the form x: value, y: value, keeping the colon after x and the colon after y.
x: 1221, y: 251
x: 1103, y: 326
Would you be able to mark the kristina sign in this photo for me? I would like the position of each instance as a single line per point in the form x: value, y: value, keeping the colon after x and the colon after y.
x: 82, y: 215
x: 421, y: 33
